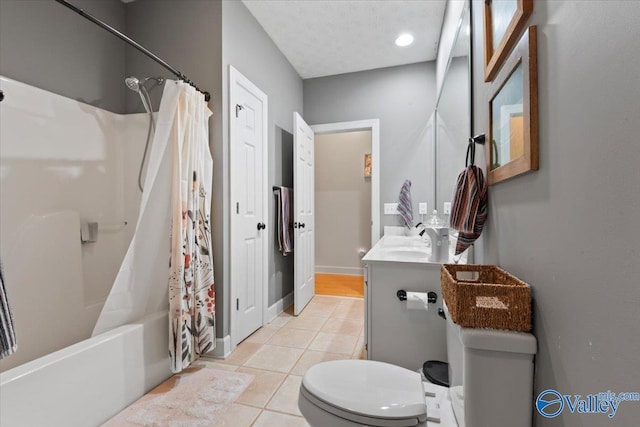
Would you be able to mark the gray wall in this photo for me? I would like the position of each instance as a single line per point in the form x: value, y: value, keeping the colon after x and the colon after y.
x: 569, y: 229
x: 342, y: 201
x: 46, y: 45
x: 251, y: 51
x: 402, y: 98
x: 185, y: 33
x: 188, y: 35
x: 281, y: 278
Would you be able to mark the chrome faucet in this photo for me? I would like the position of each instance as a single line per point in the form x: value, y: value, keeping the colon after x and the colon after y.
x: 439, y: 243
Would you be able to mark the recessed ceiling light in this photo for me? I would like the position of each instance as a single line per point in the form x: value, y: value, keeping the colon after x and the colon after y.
x: 404, y: 40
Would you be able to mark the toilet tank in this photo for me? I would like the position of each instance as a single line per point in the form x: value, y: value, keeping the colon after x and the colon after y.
x: 490, y: 376
x: 454, y: 358
x: 497, y: 377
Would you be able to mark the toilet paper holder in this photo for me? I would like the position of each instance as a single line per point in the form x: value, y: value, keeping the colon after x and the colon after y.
x: 432, y: 297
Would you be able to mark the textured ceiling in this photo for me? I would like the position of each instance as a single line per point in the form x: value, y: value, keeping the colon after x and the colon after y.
x: 327, y: 37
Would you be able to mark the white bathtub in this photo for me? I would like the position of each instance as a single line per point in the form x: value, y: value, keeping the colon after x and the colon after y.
x: 87, y: 383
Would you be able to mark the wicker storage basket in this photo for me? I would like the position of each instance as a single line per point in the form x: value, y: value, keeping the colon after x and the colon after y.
x: 492, y: 298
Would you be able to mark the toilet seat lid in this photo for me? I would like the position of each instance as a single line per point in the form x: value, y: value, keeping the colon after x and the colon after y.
x: 369, y: 388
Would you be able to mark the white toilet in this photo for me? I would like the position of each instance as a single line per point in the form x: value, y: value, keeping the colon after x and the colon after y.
x: 491, y: 376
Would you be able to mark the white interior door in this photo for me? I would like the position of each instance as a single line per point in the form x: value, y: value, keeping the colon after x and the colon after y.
x: 248, y: 118
x: 303, y: 202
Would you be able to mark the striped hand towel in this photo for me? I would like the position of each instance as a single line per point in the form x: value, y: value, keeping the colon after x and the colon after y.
x: 8, y: 343
x: 284, y: 199
x: 469, y: 208
x: 405, y: 207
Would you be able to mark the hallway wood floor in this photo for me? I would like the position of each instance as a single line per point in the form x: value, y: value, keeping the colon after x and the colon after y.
x: 340, y: 285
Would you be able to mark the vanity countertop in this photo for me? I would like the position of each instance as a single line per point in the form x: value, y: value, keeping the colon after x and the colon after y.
x: 411, y: 249
x: 404, y: 249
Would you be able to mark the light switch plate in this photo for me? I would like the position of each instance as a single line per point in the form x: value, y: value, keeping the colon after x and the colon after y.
x: 390, y: 208
x: 447, y: 208
x: 422, y: 207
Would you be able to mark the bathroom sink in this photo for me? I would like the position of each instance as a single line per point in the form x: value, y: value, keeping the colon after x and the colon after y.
x: 394, y: 248
x: 407, y: 252
x: 402, y: 241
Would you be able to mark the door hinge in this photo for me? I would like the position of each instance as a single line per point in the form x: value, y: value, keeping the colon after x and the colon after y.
x: 237, y: 208
x: 238, y: 109
x: 237, y: 303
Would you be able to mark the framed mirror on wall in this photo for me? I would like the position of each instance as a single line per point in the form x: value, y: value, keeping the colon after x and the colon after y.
x: 512, y: 143
x: 453, y: 124
x: 504, y: 21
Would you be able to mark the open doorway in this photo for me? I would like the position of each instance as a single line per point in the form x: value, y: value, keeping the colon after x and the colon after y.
x: 344, y: 189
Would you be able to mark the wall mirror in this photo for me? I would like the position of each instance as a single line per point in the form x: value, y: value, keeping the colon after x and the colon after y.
x: 512, y: 145
x: 453, y: 124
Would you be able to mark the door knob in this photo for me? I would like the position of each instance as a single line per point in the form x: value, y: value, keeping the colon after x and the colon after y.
x: 261, y: 226
x: 302, y: 225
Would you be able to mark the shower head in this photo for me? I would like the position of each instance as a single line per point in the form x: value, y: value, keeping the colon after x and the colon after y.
x: 135, y: 83
x: 132, y: 83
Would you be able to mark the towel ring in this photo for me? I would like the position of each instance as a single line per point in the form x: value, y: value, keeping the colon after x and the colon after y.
x: 470, y: 158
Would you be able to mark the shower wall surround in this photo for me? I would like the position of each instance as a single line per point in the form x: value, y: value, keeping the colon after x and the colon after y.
x: 63, y: 162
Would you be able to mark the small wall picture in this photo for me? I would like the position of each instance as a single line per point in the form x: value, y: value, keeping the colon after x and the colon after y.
x: 513, y: 113
x: 367, y: 165
x: 504, y: 22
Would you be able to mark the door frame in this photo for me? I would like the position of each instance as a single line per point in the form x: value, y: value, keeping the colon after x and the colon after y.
x: 235, y: 77
x: 372, y: 125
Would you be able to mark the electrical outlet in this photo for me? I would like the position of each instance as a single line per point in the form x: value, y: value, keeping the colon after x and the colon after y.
x: 447, y: 208
x: 390, y: 208
x: 422, y: 207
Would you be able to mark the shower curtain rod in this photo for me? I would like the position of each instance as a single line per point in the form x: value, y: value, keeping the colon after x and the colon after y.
x: 135, y: 44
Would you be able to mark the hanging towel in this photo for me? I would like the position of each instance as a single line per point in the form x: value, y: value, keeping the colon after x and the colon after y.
x: 284, y: 199
x: 469, y: 207
x: 405, y: 208
x: 8, y: 343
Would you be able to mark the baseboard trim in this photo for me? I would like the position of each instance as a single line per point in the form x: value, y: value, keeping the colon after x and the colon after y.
x: 347, y: 271
x: 278, y: 307
x: 222, y: 350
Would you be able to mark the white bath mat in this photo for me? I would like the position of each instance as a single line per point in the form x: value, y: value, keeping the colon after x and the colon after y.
x: 195, y: 397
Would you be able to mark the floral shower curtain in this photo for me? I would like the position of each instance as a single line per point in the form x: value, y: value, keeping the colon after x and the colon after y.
x: 174, y: 216
x: 191, y: 288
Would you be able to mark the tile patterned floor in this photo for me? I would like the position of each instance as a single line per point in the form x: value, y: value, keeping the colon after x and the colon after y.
x: 277, y: 355
x: 329, y: 328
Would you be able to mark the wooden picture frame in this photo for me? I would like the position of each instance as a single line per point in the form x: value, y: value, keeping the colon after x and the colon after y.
x: 494, y: 58
x: 367, y: 165
x: 523, y: 59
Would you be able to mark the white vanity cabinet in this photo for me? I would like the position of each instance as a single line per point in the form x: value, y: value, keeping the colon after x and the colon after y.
x: 394, y: 334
